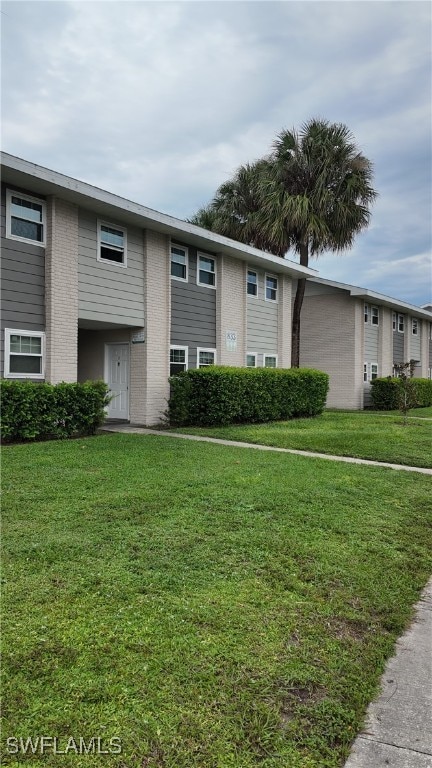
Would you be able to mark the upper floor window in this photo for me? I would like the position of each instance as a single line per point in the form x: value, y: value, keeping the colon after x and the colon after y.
x: 365, y: 372
x: 401, y: 323
x: 366, y: 313
x: 394, y: 320
x: 112, y: 241
x: 179, y: 262
x: 270, y: 361
x: 25, y: 218
x: 252, y: 283
x: 206, y: 357
x: 374, y: 316
x: 206, y: 272
x: 178, y: 360
x: 415, y: 326
x: 24, y: 354
x: 271, y: 284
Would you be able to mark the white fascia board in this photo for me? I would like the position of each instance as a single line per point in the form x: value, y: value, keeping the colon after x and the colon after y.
x: 378, y: 298
x: 45, y: 181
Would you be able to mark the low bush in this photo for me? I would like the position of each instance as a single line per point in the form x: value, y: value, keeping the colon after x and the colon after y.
x: 225, y: 395
x: 386, y: 393
x: 39, y: 411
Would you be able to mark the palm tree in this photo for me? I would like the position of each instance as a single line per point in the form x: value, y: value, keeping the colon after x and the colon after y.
x: 311, y: 194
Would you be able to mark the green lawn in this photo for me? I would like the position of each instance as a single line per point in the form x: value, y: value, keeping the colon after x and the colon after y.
x: 362, y: 434
x: 210, y: 606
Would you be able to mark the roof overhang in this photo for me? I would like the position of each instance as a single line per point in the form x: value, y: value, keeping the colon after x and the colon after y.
x: 42, y: 181
x: 379, y: 298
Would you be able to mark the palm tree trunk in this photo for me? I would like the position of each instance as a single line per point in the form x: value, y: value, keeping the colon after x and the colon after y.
x: 298, y: 303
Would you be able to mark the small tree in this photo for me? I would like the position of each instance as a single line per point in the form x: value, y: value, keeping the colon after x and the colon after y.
x: 407, y: 397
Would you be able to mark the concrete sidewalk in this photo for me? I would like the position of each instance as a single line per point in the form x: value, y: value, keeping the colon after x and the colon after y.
x: 398, y: 728
x: 130, y: 429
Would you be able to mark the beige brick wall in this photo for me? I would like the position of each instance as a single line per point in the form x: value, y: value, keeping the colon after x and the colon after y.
x: 284, y: 322
x: 61, y: 291
x: 149, y: 368
x: 231, y: 310
x: 332, y: 340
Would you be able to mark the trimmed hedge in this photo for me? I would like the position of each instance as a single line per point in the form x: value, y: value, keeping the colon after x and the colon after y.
x: 226, y: 395
x: 39, y: 411
x: 385, y: 393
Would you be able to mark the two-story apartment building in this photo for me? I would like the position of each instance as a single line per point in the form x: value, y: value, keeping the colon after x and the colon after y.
x: 98, y: 287
x: 356, y: 335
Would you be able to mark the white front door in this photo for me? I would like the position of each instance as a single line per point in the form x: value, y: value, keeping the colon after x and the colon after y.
x: 117, y: 377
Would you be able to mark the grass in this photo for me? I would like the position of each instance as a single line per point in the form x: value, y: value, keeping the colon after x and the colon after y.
x: 362, y: 434
x: 208, y: 605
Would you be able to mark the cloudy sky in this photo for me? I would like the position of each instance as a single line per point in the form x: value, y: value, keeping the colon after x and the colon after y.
x: 161, y: 101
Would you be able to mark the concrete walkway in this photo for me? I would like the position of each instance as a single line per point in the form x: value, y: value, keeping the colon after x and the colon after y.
x: 398, y: 728
x: 130, y: 429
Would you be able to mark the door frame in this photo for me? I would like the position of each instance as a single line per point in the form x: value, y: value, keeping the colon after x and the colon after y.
x: 107, y: 346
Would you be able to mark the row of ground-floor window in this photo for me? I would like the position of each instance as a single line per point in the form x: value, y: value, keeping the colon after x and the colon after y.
x: 179, y: 359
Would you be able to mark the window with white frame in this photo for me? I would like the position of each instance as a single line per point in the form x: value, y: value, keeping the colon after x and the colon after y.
x: 374, y: 316
x: 206, y: 272
x: 394, y: 320
x: 252, y: 283
x: 414, y: 326
x: 373, y: 371
x: 401, y: 323
x: 251, y: 360
x: 179, y: 263
x: 271, y: 287
x: 25, y: 218
x: 366, y: 313
x: 365, y: 372
x: 24, y: 354
x: 206, y: 357
x: 270, y: 361
x: 112, y: 244
x: 178, y: 360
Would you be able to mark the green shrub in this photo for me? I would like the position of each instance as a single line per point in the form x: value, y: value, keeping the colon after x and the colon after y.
x: 38, y: 411
x: 226, y: 395
x: 386, y: 393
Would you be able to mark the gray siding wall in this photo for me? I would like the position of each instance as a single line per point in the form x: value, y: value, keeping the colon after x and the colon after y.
x: 109, y: 292
x: 398, y: 346
x: 23, y: 282
x: 262, y: 322
x: 193, y: 311
x: 415, y: 341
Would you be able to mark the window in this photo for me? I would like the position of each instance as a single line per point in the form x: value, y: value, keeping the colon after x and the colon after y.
x: 271, y: 285
x: 374, y: 316
x: 178, y: 360
x: 111, y: 244
x: 270, y: 361
x: 251, y: 360
x: 252, y: 283
x: 394, y: 320
x: 373, y: 371
x: 365, y: 372
x: 401, y: 323
x: 366, y: 313
x: 25, y: 218
x: 24, y: 354
x: 179, y: 263
x: 206, y: 357
x: 415, y: 326
x: 206, y: 271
